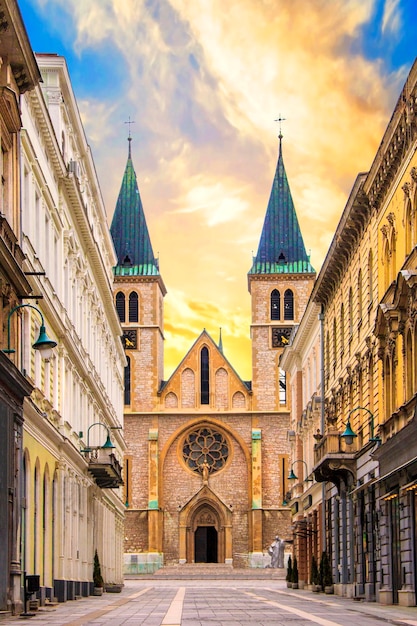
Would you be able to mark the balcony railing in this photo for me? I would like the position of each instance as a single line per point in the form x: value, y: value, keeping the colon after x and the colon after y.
x: 334, y: 461
x: 105, y: 468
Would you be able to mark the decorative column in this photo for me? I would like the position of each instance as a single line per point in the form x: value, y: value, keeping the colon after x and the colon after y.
x: 256, y: 525
x: 154, y: 514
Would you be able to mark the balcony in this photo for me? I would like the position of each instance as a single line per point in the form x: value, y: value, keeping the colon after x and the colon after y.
x: 334, y: 460
x: 104, y: 467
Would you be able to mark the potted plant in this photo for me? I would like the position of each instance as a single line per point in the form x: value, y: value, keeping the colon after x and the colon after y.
x: 97, y: 577
x: 295, y: 574
x: 315, y: 578
x: 288, y: 578
x: 326, y: 575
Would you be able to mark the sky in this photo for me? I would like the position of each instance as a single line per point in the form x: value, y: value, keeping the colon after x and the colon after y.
x: 204, y: 81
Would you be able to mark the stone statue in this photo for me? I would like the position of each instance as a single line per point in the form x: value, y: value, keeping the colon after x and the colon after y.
x: 205, y: 472
x: 276, y: 552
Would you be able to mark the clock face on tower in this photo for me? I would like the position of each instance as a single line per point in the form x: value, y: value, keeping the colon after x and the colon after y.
x: 281, y: 336
x: 130, y: 339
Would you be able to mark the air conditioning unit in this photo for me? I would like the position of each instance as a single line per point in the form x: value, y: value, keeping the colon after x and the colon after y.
x: 74, y: 168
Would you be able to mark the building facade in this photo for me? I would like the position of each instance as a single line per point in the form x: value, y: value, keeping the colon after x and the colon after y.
x: 302, y: 361
x: 365, y: 291
x: 207, y: 453
x: 18, y: 74
x: 72, y: 445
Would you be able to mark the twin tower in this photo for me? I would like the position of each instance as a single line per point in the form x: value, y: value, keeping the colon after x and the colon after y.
x: 207, y: 453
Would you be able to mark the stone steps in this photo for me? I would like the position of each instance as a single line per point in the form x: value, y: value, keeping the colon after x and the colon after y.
x: 212, y: 571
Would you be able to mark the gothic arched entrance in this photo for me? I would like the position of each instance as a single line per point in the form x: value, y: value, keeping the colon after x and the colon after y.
x: 205, y: 544
x: 205, y: 530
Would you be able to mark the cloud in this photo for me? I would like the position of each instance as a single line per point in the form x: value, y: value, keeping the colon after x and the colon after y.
x: 204, y: 82
x: 391, y: 20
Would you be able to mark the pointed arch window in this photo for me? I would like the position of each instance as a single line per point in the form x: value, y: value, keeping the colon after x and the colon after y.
x: 127, y: 382
x: 204, y: 376
x: 121, y: 306
x: 288, y: 305
x: 275, y: 305
x: 133, y: 307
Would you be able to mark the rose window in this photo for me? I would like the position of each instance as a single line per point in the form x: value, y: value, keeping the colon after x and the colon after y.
x: 205, y: 447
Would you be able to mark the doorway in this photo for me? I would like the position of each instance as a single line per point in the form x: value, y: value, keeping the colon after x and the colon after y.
x: 205, y: 544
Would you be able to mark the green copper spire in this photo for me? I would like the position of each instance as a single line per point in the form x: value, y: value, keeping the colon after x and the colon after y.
x: 281, y: 248
x: 129, y: 231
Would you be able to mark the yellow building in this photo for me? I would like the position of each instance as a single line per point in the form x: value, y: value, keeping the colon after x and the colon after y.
x: 366, y: 292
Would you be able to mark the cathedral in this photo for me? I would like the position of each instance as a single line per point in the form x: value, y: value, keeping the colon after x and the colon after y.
x: 206, y: 465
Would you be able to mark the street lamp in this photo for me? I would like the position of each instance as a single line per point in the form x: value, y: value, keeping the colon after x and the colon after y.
x: 292, y: 476
x: 107, y: 444
x: 44, y: 344
x: 349, y: 435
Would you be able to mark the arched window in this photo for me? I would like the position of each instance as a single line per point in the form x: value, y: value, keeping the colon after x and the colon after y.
x: 133, y: 307
x: 127, y: 382
x: 121, y: 306
x: 275, y: 305
x: 288, y: 305
x: 204, y: 376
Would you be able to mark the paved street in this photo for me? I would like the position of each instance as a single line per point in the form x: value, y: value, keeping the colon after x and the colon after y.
x: 216, y: 603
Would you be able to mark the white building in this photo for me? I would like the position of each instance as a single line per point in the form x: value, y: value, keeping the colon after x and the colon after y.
x: 73, y: 497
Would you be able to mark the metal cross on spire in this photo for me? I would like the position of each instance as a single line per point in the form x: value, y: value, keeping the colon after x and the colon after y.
x: 130, y: 122
x: 280, y: 120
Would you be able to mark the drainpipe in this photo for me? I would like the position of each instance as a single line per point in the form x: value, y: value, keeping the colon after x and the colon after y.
x: 323, y: 485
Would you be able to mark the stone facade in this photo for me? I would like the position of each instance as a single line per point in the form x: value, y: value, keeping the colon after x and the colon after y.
x: 229, y: 507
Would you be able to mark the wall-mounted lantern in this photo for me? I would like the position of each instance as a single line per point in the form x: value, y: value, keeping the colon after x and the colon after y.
x: 43, y: 344
x: 349, y: 435
x: 292, y: 475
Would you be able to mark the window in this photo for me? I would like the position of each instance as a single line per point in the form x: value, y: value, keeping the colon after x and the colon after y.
x: 127, y: 382
x: 204, y: 374
x: 205, y: 449
x: 350, y: 312
x: 282, y: 388
x: 133, y: 307
x: 370, y: 276
x: 288, y: 305
x: 121, y: 306
x: 275, y: 305
x: 360, y: 298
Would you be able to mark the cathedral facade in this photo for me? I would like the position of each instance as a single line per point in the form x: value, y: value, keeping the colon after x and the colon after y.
x: 206, y: 465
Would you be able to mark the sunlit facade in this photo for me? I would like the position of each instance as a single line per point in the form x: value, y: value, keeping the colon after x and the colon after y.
x: 365, y: 456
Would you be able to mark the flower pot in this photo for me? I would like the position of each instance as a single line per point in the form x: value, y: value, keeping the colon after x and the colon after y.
x: 316, y: 588
x: 295, y: 585
x: 329, y: 589
x: 98, y: 591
